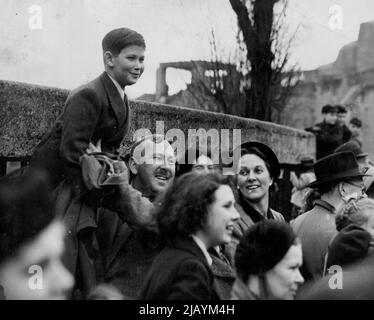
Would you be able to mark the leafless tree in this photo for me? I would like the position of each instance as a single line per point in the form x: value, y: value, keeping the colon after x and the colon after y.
x: 266, y: 46
x: 216, y: 85
x: 255, y: 83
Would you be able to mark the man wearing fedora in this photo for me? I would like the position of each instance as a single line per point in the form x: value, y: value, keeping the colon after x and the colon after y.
x: 361, y: 157
x: 337, y: 177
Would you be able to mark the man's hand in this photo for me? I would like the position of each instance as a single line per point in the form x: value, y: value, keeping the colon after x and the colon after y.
x: 94, y: 147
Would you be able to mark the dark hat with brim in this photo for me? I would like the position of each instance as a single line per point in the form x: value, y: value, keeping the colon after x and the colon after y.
x: 271, y: 158
x: 353, y: 147
x: 306, y: 162
x: 336, y: 167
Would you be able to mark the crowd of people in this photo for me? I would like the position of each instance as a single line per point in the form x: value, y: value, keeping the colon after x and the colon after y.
x: 82, y: 222
x: 335, y: 130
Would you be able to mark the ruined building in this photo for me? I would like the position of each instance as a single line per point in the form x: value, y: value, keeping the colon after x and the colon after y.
x: 205, y: 91
x: 349, y: 81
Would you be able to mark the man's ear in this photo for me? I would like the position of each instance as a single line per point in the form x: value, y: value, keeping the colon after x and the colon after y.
x: 108, y: 58
x: 133, y: 166
x: 341, y: 189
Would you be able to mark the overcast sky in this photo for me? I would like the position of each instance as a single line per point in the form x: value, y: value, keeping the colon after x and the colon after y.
x: 65, y: 49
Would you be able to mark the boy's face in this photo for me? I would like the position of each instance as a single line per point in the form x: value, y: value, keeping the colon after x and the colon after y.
x: 127, y: 67
x: 330, y: 117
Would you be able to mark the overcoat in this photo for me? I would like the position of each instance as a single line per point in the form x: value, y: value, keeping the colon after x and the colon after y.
x: 95, y: 111
x: 245, y: 221
x: 315, y: 229
x: 92, y: 112
x: 180, y: 272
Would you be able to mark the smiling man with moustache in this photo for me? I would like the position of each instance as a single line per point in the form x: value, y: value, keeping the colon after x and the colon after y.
x: 132, y: 250
x: 152, y: 165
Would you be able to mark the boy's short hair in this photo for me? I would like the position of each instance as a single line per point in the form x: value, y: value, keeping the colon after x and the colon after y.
x: 120, y: 38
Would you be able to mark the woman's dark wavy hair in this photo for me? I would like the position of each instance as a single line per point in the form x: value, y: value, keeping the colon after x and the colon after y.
x: 183, y: 208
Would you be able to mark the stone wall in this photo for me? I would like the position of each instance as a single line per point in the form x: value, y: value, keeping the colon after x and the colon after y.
x: 28, y: 111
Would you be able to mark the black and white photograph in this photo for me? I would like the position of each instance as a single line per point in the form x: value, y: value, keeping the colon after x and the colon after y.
x: 203, y: 151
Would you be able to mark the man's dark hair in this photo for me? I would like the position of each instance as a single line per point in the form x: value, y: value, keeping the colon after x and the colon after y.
x: 341, y: 109
x: 328, y: 108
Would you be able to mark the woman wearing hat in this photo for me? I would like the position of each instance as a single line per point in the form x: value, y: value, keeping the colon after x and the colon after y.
x: 31, y: 241
x: 257, y: 169
x: 337, y: 177
x: 267, y: 261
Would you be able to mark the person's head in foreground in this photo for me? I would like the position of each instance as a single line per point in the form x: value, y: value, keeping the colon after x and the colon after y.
x: 267, y: 262
x: 31, y: 240
x: 123, y: 54
x: 197, y: 205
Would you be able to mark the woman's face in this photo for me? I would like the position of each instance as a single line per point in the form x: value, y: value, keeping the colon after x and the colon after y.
x: 221, y: 217
x: 285, y: 278
x: 203, y: 164
x: 253, y: 178
x: 36, y: 271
